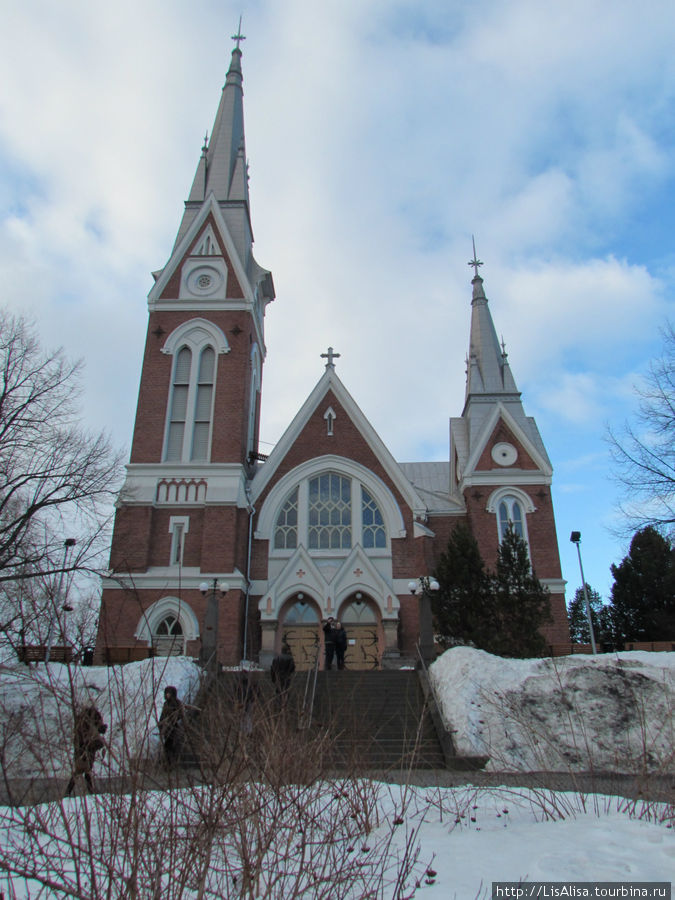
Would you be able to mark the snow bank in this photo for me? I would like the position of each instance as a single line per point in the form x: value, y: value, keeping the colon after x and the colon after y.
x: 612, y: 712
x: 36, y: 708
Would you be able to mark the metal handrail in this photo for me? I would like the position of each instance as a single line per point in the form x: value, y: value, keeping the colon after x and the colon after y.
x: 312, y: 675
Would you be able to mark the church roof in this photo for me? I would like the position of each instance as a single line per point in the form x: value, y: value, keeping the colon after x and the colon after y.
x: 431, y: 481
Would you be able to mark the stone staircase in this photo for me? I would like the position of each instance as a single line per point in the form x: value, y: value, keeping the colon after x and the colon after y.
x: 377, y: 719
x: 360, y: 721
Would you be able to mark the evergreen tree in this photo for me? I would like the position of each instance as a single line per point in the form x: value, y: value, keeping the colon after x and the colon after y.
x: 600, y: 617
x: 462, y: 606
x: 643, y: 593
x: 521, y: 602
x: 500, y: 613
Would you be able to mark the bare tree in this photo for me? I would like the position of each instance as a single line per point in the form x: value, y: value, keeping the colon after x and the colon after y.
x: 57, y: 480
x: 644, y: 452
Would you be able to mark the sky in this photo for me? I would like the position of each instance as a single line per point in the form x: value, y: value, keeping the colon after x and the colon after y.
x: 469, y: 836
x: 381, y: 136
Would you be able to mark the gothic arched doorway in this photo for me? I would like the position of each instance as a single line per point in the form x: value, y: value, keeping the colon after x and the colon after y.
x: 361, y: 620
x: 300, y: 630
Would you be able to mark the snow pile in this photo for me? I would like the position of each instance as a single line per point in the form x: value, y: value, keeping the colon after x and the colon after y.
x: 36, y: 710
x: 609, y: 713
x: 349, y: 838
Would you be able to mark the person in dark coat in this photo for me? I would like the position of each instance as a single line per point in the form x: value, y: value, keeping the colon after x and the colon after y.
x: 172, y: 725
x: 88, y: 731
x: 281, y: 672
x: 340, y: 638
x: 329, y: 641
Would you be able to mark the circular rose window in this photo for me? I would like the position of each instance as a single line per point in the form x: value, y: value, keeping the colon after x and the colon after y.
x: 504, y: 454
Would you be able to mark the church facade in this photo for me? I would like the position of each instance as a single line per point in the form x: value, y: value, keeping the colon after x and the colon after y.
x: 222, y: 553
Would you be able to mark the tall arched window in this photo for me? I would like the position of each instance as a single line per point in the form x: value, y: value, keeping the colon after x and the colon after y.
x: 191, y: 406
x: 286, y: 531
x: 330, y: 512
x: 372, y: 523
x: 203, y: 405
x: 179, y: 404
x: 510, y: 512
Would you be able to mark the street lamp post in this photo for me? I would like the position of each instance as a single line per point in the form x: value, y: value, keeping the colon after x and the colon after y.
x: 575, y: 538
x: 423, y: 587
x: 208, y: 655
x: 68, y: 544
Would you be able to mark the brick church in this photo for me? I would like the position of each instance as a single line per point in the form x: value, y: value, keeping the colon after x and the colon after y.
x: 219, y: 552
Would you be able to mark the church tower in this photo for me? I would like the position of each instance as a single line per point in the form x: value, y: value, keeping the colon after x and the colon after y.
x: 182, y: 521
x: 498, y: 462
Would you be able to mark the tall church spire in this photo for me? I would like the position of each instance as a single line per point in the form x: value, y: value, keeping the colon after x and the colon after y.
x: 222, y: 170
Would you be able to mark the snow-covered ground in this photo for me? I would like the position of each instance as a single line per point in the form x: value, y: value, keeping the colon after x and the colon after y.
x: 609, y: 713
x: 525, y: 714
x: 40, y: 700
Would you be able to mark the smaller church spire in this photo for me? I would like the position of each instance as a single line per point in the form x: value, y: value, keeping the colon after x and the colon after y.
x: 488, y: 371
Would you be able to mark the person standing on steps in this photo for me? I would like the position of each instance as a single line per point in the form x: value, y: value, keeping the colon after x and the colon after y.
x: 329, y: 641
x: 340, y: 640
x: 172, y: 725
x: 88, y: 731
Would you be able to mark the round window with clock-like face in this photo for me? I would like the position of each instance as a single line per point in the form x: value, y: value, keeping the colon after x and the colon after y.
x: 204, y: 281
x: 504, y: 454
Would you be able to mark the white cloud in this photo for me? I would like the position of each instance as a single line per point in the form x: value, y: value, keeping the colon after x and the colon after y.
x: 381, y: 135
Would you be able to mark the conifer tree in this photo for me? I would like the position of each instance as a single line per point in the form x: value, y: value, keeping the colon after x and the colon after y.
x: 600, y: 617
x: 521, y: 602
x: 500, y: 613
x: 462, y: 606
x: 643, y: 593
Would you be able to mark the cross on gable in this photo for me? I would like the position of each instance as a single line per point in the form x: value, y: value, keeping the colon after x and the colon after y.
x: 330, y: 356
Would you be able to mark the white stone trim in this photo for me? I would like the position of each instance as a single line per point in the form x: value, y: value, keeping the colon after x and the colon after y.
x: 506, y: 477
x: 225, y: 483
x: 509, y: 491
x: 165, y: 578
x: 487, y: 428
x: 152, y: 617
x: 196, y: 333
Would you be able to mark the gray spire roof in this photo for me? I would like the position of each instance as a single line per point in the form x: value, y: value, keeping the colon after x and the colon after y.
x: 488, y: 369
x: 222, y: 167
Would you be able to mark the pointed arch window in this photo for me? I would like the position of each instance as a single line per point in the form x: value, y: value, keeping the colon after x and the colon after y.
x: 203, y: 405
x: 330, y: 512
x: 191, y: 406
x: 179, y: 404
x: 286, y: 531
x: 168, y: 639
x: 372, y: 523
x: 510, y: 513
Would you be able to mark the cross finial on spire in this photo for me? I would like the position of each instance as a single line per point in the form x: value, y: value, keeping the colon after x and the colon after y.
x: 504, y: 353
x: 206, y: 144
x: 475, y: 262
x: 238, y: 37
x: 330, y: 356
